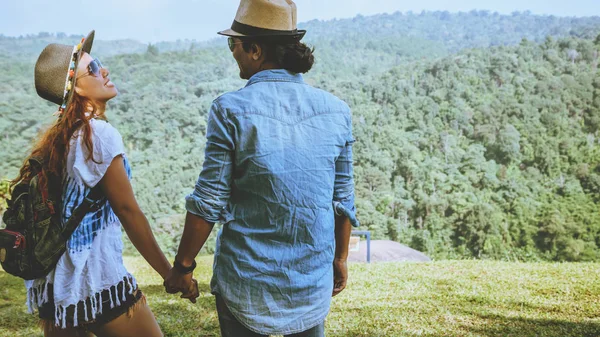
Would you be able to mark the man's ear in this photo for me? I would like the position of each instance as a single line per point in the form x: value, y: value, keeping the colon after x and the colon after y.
x: 256, y: 51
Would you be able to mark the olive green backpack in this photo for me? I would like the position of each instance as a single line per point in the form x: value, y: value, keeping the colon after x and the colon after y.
x: 35, y: 238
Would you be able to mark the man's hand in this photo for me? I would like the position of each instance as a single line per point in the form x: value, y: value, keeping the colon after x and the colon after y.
x: 340, y: 275
x: 192, y: 293
x: 176, y: 282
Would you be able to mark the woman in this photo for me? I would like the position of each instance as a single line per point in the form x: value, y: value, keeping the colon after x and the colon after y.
x: 90, y: 290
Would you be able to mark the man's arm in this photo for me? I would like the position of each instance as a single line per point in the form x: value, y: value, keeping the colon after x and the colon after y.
x: 206, y: 205
x: 195, y: 234
x: 343, y: 228
x: 345, y: 217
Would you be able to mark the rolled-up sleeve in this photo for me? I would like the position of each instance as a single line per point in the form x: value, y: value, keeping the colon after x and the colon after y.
x: 343, y: 191
x: 213, y: 188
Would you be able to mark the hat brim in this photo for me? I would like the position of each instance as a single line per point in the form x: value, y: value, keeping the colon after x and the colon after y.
x: 85, y: 47
x: 231, y: 32
x: 295, y: 36
x: 88, y: 42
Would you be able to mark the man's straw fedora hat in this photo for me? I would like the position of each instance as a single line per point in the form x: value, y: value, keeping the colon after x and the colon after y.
x: 269, y: 19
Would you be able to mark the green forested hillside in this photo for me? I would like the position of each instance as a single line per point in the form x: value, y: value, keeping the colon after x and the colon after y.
x: 472, y: 142
x: 488, y: 153
x: 27, y: 48
x: 456, y: 31
x: 365, y: 44
x: 372, y: 44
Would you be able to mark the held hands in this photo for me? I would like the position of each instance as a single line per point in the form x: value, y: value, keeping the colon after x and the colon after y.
x: 177, y: 281
x: 340, y: 275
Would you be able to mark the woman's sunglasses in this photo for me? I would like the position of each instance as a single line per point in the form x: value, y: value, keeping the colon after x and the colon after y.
x: 231, y: 43
x: 93, y: 68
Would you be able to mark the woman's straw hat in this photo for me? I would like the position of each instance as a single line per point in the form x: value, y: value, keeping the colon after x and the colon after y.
x: 56, y: 70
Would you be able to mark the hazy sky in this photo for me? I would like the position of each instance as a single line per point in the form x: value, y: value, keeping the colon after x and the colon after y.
x: 159, y: 20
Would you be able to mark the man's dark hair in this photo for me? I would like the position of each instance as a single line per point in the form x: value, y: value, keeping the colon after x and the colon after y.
x: 295, y: 57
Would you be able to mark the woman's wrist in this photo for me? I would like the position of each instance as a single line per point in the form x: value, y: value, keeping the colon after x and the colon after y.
x: 164, y: 272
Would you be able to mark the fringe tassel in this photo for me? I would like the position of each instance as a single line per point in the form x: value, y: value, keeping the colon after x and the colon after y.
x: 125, y: 284
x: 64, y: 318
x: 85, y: 313
x: 29, y: 302
x: 75, y: 315
x: 131, y: 286
x: 118, y: 303
x: 112, y: 303
x: 45, y: 293
x: 99, y: 301
x: 93, y: 304
x: 56, y: 311
x: 38, y: 295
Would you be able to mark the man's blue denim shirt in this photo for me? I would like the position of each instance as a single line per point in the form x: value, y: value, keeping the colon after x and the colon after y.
x: 278, y: 166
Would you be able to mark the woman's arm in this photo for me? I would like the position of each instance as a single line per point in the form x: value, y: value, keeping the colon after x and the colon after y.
x: 116, y: 187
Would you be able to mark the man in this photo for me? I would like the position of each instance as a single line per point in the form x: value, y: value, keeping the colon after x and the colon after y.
x: 278, y: 176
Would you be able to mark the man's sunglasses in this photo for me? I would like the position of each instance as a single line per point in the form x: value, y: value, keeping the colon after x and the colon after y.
x: 93, y: 68
x: 231, y: 43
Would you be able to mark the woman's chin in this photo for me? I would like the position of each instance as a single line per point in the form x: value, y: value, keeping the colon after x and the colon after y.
x: 114, y: 92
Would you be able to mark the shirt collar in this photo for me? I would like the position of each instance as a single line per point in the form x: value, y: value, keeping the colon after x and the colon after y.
x: 275, y: 75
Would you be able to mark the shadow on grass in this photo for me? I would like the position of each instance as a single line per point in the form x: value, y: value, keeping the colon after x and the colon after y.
x: 498, y: 325
x: 179, y: 317
x: 458, y: 319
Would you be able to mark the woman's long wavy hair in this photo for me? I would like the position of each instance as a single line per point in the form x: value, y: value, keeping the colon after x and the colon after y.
x: 52, y: 146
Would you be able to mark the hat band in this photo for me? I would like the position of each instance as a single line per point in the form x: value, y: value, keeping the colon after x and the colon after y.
x: 257, y: 31
x: 70, y: 80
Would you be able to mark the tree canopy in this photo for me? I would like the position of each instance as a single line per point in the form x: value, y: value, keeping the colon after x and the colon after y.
x: 477, y: 133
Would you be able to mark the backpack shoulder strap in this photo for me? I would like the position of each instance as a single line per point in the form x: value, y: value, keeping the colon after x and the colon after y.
x: 92, y: 201
x: 35, y: 164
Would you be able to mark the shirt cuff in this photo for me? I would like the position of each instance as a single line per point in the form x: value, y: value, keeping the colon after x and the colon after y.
x: 347, y: 210
x: 210, y: 213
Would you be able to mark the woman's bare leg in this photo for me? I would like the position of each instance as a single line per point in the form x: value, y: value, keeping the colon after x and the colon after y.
x: 141, y: 322
x: 51, y: 331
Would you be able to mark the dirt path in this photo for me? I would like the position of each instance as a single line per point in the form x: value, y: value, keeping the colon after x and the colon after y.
x: 387, y: 251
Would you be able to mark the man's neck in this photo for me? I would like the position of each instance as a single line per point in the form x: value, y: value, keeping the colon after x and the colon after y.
x: 267, y: 66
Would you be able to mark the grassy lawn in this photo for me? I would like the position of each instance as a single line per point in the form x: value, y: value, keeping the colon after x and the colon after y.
x: 446, y: 298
